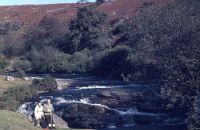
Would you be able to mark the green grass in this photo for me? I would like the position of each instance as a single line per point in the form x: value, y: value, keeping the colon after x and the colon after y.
x: 5, y: 84
x: 12, y: 120
x: 15, y: 121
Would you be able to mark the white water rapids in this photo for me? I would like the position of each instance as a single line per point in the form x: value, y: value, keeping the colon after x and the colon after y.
x: 26, y: 107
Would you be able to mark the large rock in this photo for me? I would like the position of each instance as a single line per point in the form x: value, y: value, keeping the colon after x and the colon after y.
x: 122, y: 99
x: 60, y: 123
x: 119, y: 98
x: 87, y: 116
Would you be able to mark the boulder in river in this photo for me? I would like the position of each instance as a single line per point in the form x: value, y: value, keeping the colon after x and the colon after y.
x: 87, y: 116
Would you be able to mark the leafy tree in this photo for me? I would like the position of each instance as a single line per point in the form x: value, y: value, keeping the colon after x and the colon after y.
x: 49, y: 32
x: 11, y: 40
x: 24, y: 65
x: 168, y: 37
x: 81, y: 61
x: 113, y: 62
x: 90, y: 29
x: 49, y: 59
x: 43, y: 59
x: 62, y: 63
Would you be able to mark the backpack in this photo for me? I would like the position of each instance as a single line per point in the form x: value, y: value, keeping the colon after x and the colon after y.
x: 43, y: 123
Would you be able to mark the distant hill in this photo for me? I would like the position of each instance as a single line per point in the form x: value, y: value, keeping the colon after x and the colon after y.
x: 32, y: 14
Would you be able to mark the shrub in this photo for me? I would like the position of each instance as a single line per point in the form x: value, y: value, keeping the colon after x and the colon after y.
x: 170, y: 36
x: 11, y: 99
x: 113, y: 62
x: 42, y: 59
x: 47, y: 84
x: 3, y: 64
x: 61, y: 63
x: 9, y: 104
x: 80, y: 61
x: 24, y: 65
x: 20, y: 74
x: 48, y: 59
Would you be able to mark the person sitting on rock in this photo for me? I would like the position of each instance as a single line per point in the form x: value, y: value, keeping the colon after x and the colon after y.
x: 48, y: 113
x: 38, y: 112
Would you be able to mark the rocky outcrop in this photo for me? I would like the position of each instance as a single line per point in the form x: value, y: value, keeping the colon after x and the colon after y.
x: 87, y: 116
x: 123, y: 98
x: 60, y: 123
x: 80, y: 115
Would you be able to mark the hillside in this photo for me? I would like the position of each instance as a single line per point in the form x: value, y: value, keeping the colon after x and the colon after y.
x: 32, y: 14
x: 14, y: 121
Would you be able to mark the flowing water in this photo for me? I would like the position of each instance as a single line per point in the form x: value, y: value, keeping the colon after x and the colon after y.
x: 83, y: 91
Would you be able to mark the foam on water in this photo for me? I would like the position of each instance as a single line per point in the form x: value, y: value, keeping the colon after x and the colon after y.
x: 25, y: 108
x: 134, y: 111
x: 102, y: 86
x: 130, y: 111
x: 61, y: 100
x: 112, y: 126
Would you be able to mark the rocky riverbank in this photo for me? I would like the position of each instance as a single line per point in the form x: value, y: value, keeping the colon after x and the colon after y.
x: 118, y: 108
x: 98, y: 104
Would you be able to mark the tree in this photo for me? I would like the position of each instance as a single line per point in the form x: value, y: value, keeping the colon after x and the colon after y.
x: 49, y: 32
x: 90, y: 29
x: 99, y: 2
x: 113, y: 62
x: 11, y: 39
x: 43, y: 59
x: 170, y: 36
x: 81, y: 61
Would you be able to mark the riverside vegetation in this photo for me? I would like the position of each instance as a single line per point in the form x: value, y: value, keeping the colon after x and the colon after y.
x: 160, y: 43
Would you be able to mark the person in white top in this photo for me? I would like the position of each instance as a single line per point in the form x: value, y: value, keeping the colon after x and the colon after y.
x: 38, y: 112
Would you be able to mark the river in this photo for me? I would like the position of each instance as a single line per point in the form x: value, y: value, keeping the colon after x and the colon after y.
x: 91, y: 102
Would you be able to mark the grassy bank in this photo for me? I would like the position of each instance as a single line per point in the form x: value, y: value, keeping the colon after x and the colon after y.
x: 15, y: 121
x: 5, y: 84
